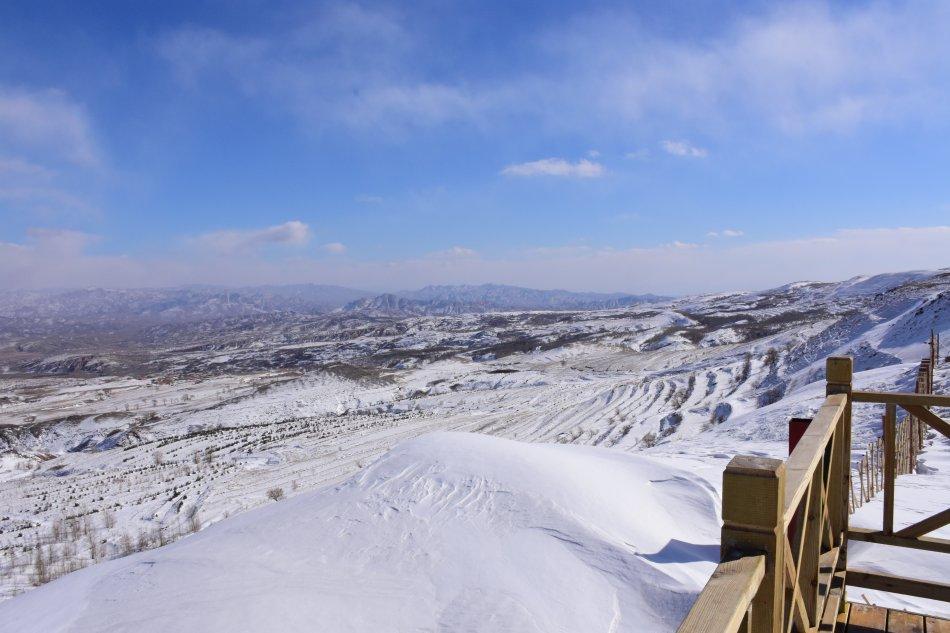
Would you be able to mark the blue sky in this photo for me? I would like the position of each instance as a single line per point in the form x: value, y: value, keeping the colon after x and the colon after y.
x: 605, y: 146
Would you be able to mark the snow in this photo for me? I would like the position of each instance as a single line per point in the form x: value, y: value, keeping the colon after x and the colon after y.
x: 447, y: 532
x: 444, y: 532
x: 915, y: 497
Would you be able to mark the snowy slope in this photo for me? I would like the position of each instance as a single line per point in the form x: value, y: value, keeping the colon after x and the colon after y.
x: 96, y: 467
x: 448, y: 532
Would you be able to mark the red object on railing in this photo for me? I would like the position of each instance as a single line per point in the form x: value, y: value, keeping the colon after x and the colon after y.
x: 796, y: 429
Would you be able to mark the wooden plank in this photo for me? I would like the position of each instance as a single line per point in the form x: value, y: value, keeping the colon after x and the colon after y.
x: 865, y: 618
x: 829, y: 616
x: 937, y: 625
x: 827, y: 566
x: 927, y: 543
x: 798, y: 614
x: 890, y: 450
x: 926, y: 526
x: 903, y: 622
x: 930, y: 418
x: 918, y: 399
x: 810, y: 546
x: 803, y: 461
x: 723, y: 603
x: 841, y: 623
x: 929, y: 589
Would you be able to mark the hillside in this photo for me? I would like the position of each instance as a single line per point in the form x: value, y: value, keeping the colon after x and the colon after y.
x: 114, y: 444
x: 449, y: 532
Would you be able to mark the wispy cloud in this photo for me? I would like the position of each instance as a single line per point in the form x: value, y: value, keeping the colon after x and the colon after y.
x: 797, y: 67
x: 62, y: 259
x: 456, y: 252
x: 293, y: 233
x: 346, y: 64
x: 19, y: 168
x: 46, y: 122
x: 556, y: 167
x: 368, y: 199
x: 334, y: 248
x: 47, y: 201
x: 725, y: 233
x: 684, y: 149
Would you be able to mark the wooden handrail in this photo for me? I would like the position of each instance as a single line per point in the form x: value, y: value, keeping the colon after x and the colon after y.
x: 785, y: 524
x: 918, y: 399
x: 727, y: 597
x: 807, y: 455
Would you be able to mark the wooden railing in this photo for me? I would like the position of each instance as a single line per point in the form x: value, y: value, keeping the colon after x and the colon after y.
x: 785, y: 524
x: 867, y: 479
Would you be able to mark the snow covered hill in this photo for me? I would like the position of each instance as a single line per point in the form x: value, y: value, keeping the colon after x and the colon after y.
x: 116, y: 442
x: 449, y: 532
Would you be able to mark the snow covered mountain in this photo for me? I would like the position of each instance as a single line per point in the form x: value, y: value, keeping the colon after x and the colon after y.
x: 135, y: 306
x: 443, y: 300
x: 113, y: 442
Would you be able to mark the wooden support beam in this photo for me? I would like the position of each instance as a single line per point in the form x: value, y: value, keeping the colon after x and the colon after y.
x: 890, y: 451
x: 753, y: 492
x: 931, y: 590
x: 929, y: 417
x: 926, y: 526
x: 928, y: 543
x: 725, y: 600
x: 839, y: 376
x: 810, y: 547
x: 833, y: 605
x: 918, y: 399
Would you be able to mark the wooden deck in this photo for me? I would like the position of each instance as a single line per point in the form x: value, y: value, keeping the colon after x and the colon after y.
x: 862, y: 618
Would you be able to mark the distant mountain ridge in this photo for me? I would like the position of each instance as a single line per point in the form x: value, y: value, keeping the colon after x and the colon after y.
x: 196, y: 303
x: 463, y: 299
x: 187, y: 303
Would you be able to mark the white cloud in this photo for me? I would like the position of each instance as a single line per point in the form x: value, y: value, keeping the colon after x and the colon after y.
x: 344, y: 64
x: 334, y: 248
x: 46, y: 200
x: 293, y: 233
x: 61, y: 259
x: 637, y: 154
x: 46, y: 122
x: 556, y: 167
x: 807, y: 67
x: 367, y: 199
x: 683, y: 148
x: 455, y: 252
x: 725, y: 233
x: 796, y: 67
x: 19, y: 168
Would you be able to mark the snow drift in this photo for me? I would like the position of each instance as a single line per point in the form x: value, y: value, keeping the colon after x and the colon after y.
x: 447, y: 532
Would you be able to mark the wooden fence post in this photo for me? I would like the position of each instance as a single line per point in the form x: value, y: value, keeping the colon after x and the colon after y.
x: 753, y: 498
x: 890, y: 452
x: 839, y: 376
